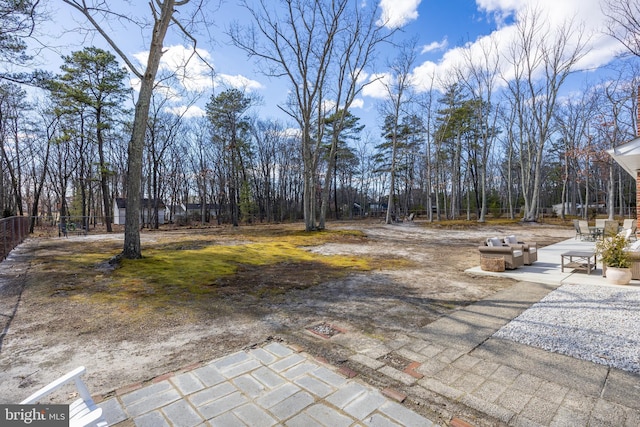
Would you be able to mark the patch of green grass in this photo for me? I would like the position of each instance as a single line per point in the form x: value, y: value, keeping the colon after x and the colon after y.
x: 184, y: 276
x: 198, y: 268
x: 202, y: 267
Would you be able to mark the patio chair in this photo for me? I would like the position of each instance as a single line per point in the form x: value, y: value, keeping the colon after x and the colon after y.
x: 600, y: 223
x: 583, y: 229
x: 626, y: 233
x: 630, y: 224
x: 610, y: 228
x: 83, y: 411
x: 576, y: 226
x: 495, y: 248
x: 530, y: 249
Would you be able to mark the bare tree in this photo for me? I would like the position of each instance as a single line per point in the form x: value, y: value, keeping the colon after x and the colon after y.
x: 199, y: 154
x: 398, y: 87
x: 162, y: 129
x: 162, y: 12
x: 572, y: 120
x: 13, y: 109
x: 612, y: 98
x: 268, y: 137
x: 624, y: 22
x: 427, y: 106
x: 40, y: 151
x: 302, y: 47
x: 356, y: 46
x: 541, y: 59
x: 480, y: 77
x: 61, y: 168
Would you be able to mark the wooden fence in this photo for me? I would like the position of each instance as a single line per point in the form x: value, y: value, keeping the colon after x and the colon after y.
x: 13, y: 231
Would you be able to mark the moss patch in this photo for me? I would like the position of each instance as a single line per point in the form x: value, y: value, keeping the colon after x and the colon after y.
x: 188, y: 274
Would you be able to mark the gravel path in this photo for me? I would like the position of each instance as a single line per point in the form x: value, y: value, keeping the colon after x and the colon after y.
x: 600, y: 324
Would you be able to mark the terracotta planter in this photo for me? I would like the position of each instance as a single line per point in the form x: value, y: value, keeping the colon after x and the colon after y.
x: 618, y: 276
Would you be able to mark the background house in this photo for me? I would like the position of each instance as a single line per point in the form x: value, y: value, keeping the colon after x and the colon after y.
x: 147, y: 211
x: 194, y: 211
x: 628, y: 157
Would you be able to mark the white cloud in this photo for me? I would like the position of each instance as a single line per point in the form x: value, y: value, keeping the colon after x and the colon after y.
x: 239, y: 82
x: 196, y: 73
x: 397, y: 13
x: 362, y: 76
x: 293, y: 133
x: 499, y: 5
x: 167, y: 91
x: 554, y: 13
x: 435, y: 46
x: 377, y: 86
x: 500, y: 10
x: 357, y: 103
x: 186, y: 111
x: 142, y: 57
x: 329, y: 106
x: 193, y: 73
x: 135, y: 84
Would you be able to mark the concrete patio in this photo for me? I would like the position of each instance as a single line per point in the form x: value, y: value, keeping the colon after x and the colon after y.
x: 547, y: 269
x: 265, y: 386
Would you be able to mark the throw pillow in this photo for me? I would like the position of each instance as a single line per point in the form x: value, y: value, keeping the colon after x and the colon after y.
x: 494, y: 241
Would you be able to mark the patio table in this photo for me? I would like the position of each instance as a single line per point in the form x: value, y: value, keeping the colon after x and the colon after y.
x: 596, y: 232
x: 578, y: 260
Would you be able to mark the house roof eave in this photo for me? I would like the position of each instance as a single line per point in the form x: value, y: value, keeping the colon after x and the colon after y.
x: 628, y: 156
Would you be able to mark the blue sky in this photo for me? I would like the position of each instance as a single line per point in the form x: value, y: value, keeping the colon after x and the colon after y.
x: 446, y: 30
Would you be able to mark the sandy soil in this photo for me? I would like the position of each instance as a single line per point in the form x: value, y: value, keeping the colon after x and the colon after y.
x: 49, y: 333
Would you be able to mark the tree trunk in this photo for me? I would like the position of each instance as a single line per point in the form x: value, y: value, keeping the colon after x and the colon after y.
x: 132, y: 248
x: 104, y: 182
x: 392, y: 174
x: 38, y: 189
x: 309, y: 191
x: 328, y: 178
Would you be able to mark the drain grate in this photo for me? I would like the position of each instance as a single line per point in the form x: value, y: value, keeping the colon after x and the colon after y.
x: 395, y: 361
x: 324, y: 330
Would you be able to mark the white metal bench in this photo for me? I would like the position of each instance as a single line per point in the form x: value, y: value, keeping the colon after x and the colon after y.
x: 82, y: 412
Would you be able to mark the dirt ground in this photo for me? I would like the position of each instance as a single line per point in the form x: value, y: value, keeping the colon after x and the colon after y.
x: 51, y: 324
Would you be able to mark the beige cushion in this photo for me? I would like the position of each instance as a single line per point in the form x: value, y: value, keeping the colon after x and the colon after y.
x: 494, y: 241
x: 511, y: 239
x: 517, y: 252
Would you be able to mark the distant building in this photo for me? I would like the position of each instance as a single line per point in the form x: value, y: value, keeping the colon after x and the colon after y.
x: 146, y: 211
x: 175, y: 212
x: 194, y: 210
x: 627, y: 155
x: 568, y: 208
x: 377, y: 208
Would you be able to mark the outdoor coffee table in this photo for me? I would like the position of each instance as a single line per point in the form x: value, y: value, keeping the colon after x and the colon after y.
x: 578, y: 260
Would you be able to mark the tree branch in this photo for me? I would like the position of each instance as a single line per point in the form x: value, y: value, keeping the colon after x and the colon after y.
x: 82, y: 7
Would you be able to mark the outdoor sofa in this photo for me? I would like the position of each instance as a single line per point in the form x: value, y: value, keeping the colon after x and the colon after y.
x: 529, y: 249
x: 495, y: 248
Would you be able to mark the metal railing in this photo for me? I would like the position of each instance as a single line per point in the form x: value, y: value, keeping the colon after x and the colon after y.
x: 13, y: 231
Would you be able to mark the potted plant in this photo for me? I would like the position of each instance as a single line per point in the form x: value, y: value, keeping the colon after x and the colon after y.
x: 612, y: 252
